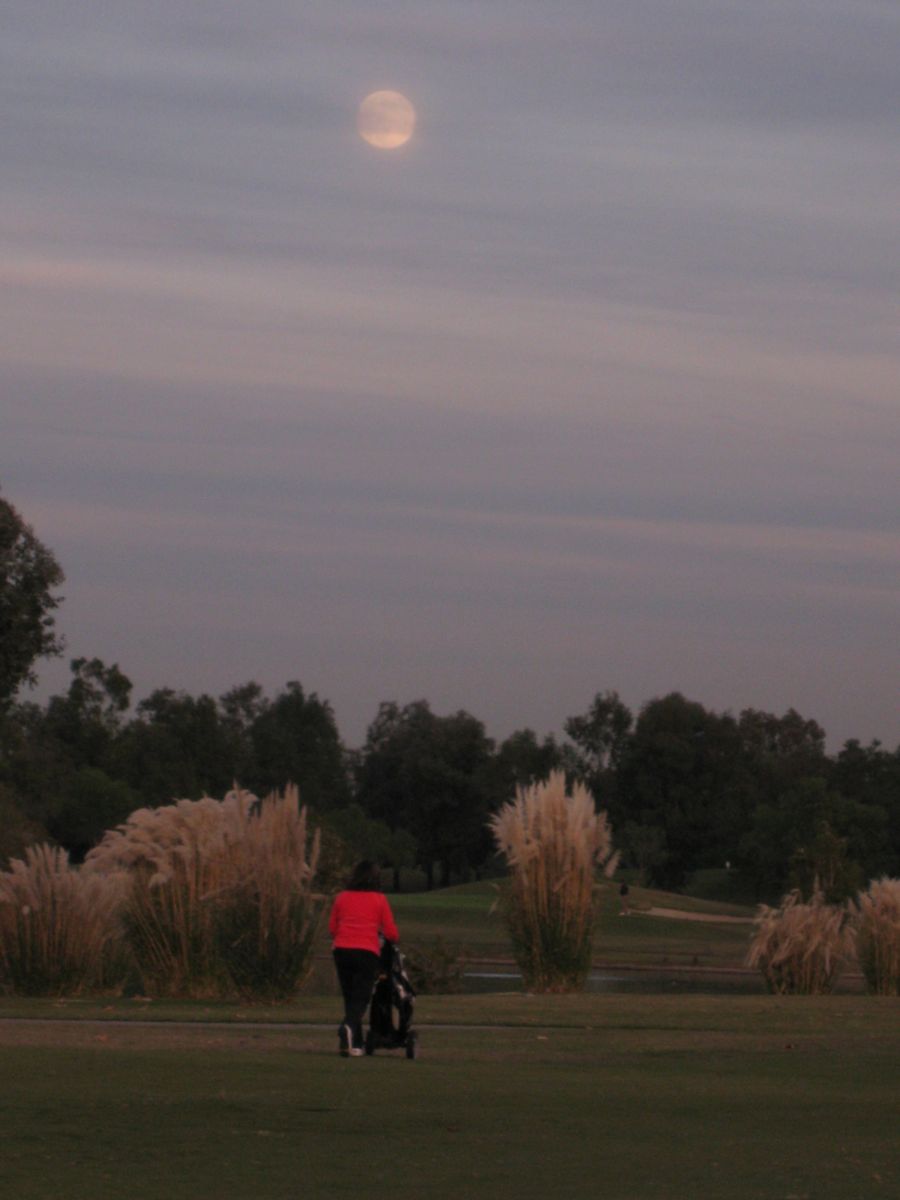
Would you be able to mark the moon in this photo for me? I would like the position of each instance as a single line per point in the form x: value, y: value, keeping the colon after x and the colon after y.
x: 386, y: 120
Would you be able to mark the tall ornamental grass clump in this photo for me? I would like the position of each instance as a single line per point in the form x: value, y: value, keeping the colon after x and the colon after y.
x: 801, y: 948
x: 266, y: 915
x: 59, y: 932
x: 553, y: 843
x: 876, y: 916
x: 219, y: 894
x: 164, y: 857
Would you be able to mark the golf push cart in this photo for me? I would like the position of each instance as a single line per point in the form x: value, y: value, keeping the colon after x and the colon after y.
x: 393, y: 993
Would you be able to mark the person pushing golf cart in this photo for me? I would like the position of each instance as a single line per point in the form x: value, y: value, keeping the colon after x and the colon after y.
x: 361, y: 920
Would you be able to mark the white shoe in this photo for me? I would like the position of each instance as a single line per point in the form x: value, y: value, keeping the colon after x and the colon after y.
x: 356, y: 1052
x: 345, y: 1041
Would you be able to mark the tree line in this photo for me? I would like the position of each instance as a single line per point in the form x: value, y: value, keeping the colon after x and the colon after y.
x: 686, y: 789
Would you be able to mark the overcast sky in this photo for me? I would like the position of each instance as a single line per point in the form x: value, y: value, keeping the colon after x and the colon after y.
x: 593, y: 384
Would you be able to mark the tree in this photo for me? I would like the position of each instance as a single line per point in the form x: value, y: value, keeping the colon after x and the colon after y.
x: 870, y: 776
x: 365, y: 837
x: 522, y: 760
x: 601, y: 734
x: 682, y: 802
x: 824, y: 866
x: 177, y: 747
x: 434, y: 777
x: 295, y: 739
x: 241, y: 708
x: 16, y: 830
x: 89, y: 717
x: 797, y: 838
x: 88, y: 804
x: 784, y: 770
x: 62, y: 761
x: 601, y: 737
x: 29, y: 573
x: 782, y: 749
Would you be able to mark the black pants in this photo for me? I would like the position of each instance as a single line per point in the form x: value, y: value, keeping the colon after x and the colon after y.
x: 356, y: 970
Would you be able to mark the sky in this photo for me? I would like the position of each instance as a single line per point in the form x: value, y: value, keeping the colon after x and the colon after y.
x: 594, y: 384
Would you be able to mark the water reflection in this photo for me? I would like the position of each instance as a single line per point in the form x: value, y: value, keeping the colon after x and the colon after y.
x: 622, y: 982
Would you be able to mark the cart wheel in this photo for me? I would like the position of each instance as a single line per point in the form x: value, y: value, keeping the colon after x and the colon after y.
x: 369, y: 1044
x: 412, y: 1046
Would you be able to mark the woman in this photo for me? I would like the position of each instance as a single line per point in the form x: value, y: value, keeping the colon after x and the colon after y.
x: 359, y: 915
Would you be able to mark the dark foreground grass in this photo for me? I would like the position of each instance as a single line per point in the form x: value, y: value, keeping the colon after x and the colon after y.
x: 625, y: 1098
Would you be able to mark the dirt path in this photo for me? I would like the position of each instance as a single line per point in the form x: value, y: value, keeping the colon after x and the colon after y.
x: 104, y: 1034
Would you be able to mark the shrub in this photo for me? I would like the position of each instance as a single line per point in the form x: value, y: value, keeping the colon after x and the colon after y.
x: 801, y: 948
x: 552, y: 843
x: 219, y: 895
x: 58, y: 926
x: 437, y: 967
x: 876, y: 917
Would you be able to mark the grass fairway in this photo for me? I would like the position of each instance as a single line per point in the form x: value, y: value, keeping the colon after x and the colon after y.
x: 625, y: 1098
x: 466, y: 915
x: 664, y: 932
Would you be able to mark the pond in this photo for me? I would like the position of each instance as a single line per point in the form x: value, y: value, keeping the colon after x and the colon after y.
x: 658, y: 981
x: 621, y: 981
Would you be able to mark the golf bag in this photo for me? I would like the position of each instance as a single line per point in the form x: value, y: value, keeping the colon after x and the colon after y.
x: 393, y: 995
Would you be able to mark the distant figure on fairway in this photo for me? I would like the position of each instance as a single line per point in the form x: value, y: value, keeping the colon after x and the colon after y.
x: 624, y: 910
x: 359, y: 915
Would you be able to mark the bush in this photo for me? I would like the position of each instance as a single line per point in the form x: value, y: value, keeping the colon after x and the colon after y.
x: 876, y: 916
x: 436, y: 968
x: 219, y: 894
x: 58, y: 926
x: 801, y: 949
x: 552, y: 843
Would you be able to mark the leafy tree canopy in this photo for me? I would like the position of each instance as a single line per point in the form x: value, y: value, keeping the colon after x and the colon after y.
x: 523, y: 760
x: 29, y: 573
x: 433, y: 776
x: 678, y: 778
x: 295, y: 739
x: 600, y: 735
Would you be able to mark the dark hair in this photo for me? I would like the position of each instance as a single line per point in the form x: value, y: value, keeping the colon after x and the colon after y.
x: 365, y: 877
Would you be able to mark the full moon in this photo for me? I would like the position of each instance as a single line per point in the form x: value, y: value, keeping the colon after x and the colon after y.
x: 386, y: 120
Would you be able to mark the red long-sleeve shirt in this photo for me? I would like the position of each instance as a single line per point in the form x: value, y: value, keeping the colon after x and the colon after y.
x: 357, y: 918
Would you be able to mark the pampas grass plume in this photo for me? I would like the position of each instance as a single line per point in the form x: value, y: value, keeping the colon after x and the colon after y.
x: 58, y: 925
x: 801, y: 948
x: 876, y: 917
x: 553, y: 842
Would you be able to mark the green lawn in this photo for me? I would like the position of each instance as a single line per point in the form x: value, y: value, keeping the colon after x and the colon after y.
x: 626, y: 1098
x: 464, y: 915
